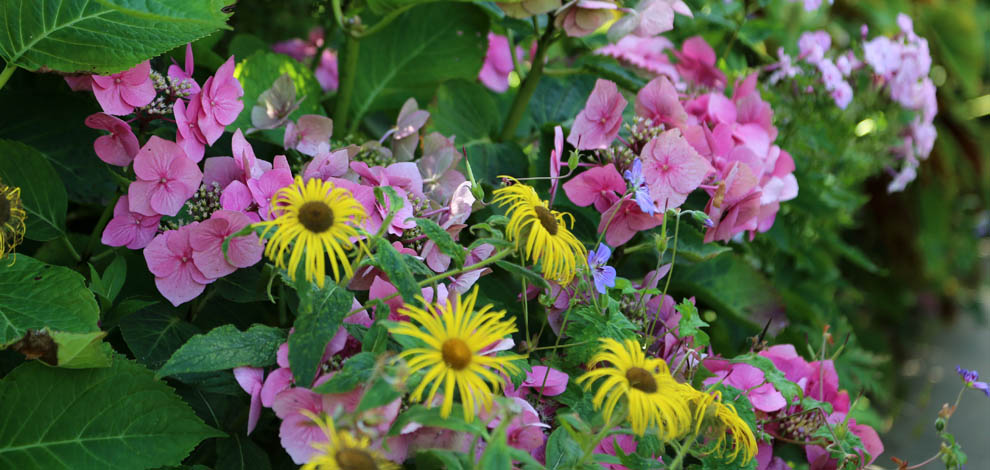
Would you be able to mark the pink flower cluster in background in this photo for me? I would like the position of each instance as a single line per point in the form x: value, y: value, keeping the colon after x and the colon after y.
x: 305, y: 50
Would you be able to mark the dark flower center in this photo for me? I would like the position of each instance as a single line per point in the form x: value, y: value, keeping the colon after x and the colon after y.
x: 456, y: 353
x: 316, y: 216
x: 4, y: 209
x: 547, y: 220
x: 641, y: 379
x: 355, y: 459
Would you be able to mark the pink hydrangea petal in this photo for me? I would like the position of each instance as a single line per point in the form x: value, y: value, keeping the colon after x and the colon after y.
x: 180, y: 287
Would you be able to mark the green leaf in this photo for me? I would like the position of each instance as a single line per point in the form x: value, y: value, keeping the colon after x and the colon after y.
x: 442, y: 239
x: 431, y: 417
x: 109, y: 285
x: 116, y: 418
x: 224, y: 348
x: 257, y: 74
x: 496, y: 454
x: 34, y: 295
x: 82, y: 350
x: 730, y: 284
x: 244, y: 286
x: 465, y: 110
x: 356, y: 371
x: 388, y: 259
x: 42, y: 192
x: 525, y: 273
x: 558, y: 100
x: 422, y: 48
x: 489, y: 161
x: 691, y: 245
x: 691, y: 323
x: 321, y: 312
x: 154, y: 333
x: 379, y: 393
x: 440, y: 458
x: 774, y: 376
x: 241, y: 453
x: 562, y: 451
x: 101, y: 36
x: 586, y: 326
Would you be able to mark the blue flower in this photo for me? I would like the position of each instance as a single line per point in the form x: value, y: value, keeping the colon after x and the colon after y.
x: 969, y: 377
x: 635, y: 178
x: 604, y: 275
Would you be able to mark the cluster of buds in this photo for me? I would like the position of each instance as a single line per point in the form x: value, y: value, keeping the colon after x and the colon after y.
x: 200, y: 207
x: 168, y: 90
x: 642, y: 130
x: 799, y: 426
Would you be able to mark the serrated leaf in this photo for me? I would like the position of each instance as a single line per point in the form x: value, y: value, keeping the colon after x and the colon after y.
x: 388, y: 259
x: 154, y: 333
x: 82, y: 350
x: 442, y: 239
x: 116, y: 418
x: 35, y: 295
x: 321, y: 311
x: 224, y: 348
x: 101, y: 36
x: 42, y: 192
x: 529, y: 275
x: 691, y: 323
x: 422, y: 48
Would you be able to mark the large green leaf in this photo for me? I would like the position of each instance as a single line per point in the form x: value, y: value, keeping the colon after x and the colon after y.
x: 155, y: 333
x: 101, y: 36
x: 422, y: 48
x: 114, y: 418
x: 389, y: 260
x: 42, y: 192
x: 225, y: 347
x: 34, y: 295
x: 466, y: 111
x: 731, y: 285
x: 259, y: 72
x: 489, y: 160
x: 321, y: 311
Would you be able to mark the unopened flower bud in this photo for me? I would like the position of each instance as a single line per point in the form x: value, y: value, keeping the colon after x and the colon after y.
x: 939, y: 424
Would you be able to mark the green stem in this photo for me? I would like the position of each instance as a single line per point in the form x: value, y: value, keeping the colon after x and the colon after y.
x: 528, y: 87
x: 678, y: 462
x: 670, y: 272
x: 94, y: 237
x: 525, y: 306
x: 71, y: 249
x: 348, y: 73
x: 8, y: 70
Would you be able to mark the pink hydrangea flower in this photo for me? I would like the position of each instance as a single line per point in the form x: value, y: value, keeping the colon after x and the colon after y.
x: 659, y: 102
x: 220, y: 102
x: 596, y: 126
x: 580, y: 18
x: 129, y: 229
x: 672, y: 169
x: 263, y: 190
x: 310, y: 135
x: 187, y: 134
x: 120, y: 93
x: 525, y: 431
x: 736, y: 204
x: 170, y: 259
x: 250, y: 379
x: 494, y: 72
x: 120, y: 146
x: 327, y: 165
x: 166, y: 178
x: 628, y: 220
x: 185, y: 74
x: 697, y: 63
x: 83, y: 82
x: 645, y: 53
x: 207, y: 241
x: 243, y: 166
x: 326, y: 71
x: 599, y: 186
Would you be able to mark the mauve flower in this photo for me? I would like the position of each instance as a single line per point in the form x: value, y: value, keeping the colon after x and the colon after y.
x: 170, y: 259
x: 187, y: 134
x: 251, y: 379
x: 813, y: 45
x: 220, y: 102
x: 207, y: 241
x: 641, y: 192
x: 628, y: 220
x: 185, y: 75
x: 405, y: 134
x: 310, y: 135
x: 596, y: 126
x: 243, y: 166
x: 970, y: 379
x: 552, y: 381
x: 597, y: 186
x: 603, y: 274
x: 326, y: 165
x: 121, y: 92
x: 438, y: 166
x: 645, y: 53
x: 650, y: 18
x: 750, y: 380
x: 696, y: 62
x: 672, y: 169
x: 659, y: 102
x: 498, y: 64
x: 580, y: 18
x: 129, y: 229
x: 166, y: 178
x: 120, y: 147
x: 326, y: 71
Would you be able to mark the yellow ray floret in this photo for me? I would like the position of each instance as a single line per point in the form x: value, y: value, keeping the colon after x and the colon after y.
x: 343, y: 451
x: 315, y: 220
x: 541, y: 231
x: 455, y: 336
x: 12, y: 217
x: 720, y: 423
x: 654, y: 399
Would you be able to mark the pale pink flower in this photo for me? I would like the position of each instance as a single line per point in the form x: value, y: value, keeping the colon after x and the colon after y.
x: 120, y: 93
x: 326, y: 165
x: 813, y: 45
x: 220, y: 102
x: 438, y: 166
x: 494, y: 72
x: 697, y: 63
x: 170, y: 259
x: 129, y: 229
x: 310, y: 135
x: 243, y: 166
x: 250, y: 379
x: 672, y: 169
x: 120, y: 146
x: 580, y: 18
x: 166, y: 178
x: 600, y: 186
x: 207, y: 241
x: 650, y: 18
x: 597, y: 125
x: 645, y: 53
x: 659, y: 102
x: 628, y: 220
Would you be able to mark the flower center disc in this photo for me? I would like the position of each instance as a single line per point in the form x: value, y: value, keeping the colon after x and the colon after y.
x: 456, y: 353
x: 355, y: 459
x: 547, y: 219
x: 641, y: 379
x: 316, y: 216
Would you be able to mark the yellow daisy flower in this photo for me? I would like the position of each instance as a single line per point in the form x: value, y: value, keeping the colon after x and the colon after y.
x: 654, y: 397
x: 720, y: 419
x: 12, y: 217
x: 455, y: 335
x: 344, y: 451
x: 542, y: 230
x: 313, y: 218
